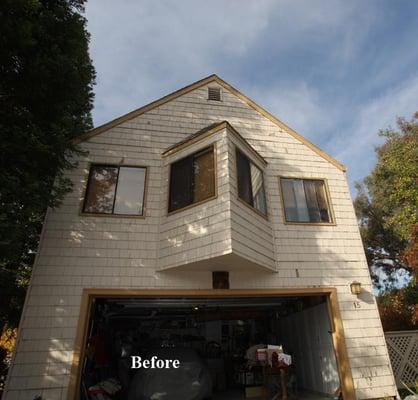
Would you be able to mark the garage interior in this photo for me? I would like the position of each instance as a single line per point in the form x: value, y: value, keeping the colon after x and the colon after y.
x: 220, y: 344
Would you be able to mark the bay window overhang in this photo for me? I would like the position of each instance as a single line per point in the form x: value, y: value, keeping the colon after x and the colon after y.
x: 207, y: 223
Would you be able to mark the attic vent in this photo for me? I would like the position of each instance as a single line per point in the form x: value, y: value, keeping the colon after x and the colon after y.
x: 214, y: 94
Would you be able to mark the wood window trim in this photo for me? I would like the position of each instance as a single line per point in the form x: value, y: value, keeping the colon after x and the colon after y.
x: 198, y: 203
x: 337, y: 332
x: 328, y: 196
x: 233, y: 135
x: 256, y: 210
x: 82, y: 213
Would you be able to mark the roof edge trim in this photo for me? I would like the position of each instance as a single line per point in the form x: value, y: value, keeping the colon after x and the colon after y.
x: 193, y: 86
x: 281, y: 124
x: 208, y: 131
x: 148, y: 107
x: 194, y: 138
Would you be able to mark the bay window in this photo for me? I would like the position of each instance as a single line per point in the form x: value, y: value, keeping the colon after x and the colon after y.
x: 250, y: 183
x: 192, y: 179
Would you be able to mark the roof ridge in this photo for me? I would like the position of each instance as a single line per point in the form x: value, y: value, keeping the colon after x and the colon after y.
x: 193, y: 86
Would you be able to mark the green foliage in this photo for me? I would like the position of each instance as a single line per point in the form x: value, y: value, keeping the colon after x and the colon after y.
x: 393, y: 184
x: 411, y: 390
x: 387, y: 202
x: 45, y: 100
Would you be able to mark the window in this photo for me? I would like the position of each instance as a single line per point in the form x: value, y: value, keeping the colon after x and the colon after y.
x: 115, y: 190
x: 250, y: 183
x: 192, y: 179
x: 305, y: 200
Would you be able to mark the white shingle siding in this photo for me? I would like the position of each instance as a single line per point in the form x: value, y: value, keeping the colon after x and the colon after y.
x: 257, y: 243
x: 197, y: 232
x: 79, y: 251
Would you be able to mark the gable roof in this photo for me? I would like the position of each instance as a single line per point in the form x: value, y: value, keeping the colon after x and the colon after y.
x: 207, y: 131
x: 196, y: 85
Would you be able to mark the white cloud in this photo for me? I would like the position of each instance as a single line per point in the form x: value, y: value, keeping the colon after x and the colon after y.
x: 299, y: 106
x: 316, y: 117
x: 357, y: 142
x: 144, y: 50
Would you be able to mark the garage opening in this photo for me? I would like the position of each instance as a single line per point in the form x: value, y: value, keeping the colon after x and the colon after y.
x: 224, y: 348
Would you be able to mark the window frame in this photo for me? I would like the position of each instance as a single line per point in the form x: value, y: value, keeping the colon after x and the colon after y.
x: 250, y: 160
x: 332, y: 221
x: 215, y: 177
x: 113, y: 215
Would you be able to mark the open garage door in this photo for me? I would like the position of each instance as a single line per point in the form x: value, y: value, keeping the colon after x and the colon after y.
x: 226, y: 348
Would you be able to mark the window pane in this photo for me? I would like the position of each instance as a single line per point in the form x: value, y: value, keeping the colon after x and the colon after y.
x: 130, y: 191
x: 244, y: 178
x: 302, y: 207
x: 311, y: 200
x: 181, y: 184
x: 101, y: 189
x: 322, y: 201
x: 257, y: 185
x: 296, y: 209
x: 204, y: 176
x: 289, y: 200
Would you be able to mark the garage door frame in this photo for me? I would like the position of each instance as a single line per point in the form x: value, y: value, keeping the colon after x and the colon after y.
x: 330, y: 293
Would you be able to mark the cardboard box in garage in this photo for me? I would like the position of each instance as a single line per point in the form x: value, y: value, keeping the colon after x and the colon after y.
x: 253, y: 391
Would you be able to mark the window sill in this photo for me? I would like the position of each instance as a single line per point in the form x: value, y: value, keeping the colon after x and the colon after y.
x: 84, y: 214
x: 265, y: 216
x: 191, y: 205
x: 215, y: 102
x: 309, y: 223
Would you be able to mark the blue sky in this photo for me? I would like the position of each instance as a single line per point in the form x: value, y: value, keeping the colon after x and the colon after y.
x: 335, y: 71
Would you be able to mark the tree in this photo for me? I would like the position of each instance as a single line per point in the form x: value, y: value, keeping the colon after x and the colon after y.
x: 46, y: 99
x: 398, y: 308
x: 387, y: 204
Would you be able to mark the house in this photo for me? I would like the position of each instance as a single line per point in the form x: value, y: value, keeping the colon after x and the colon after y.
x: 201, y: 221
